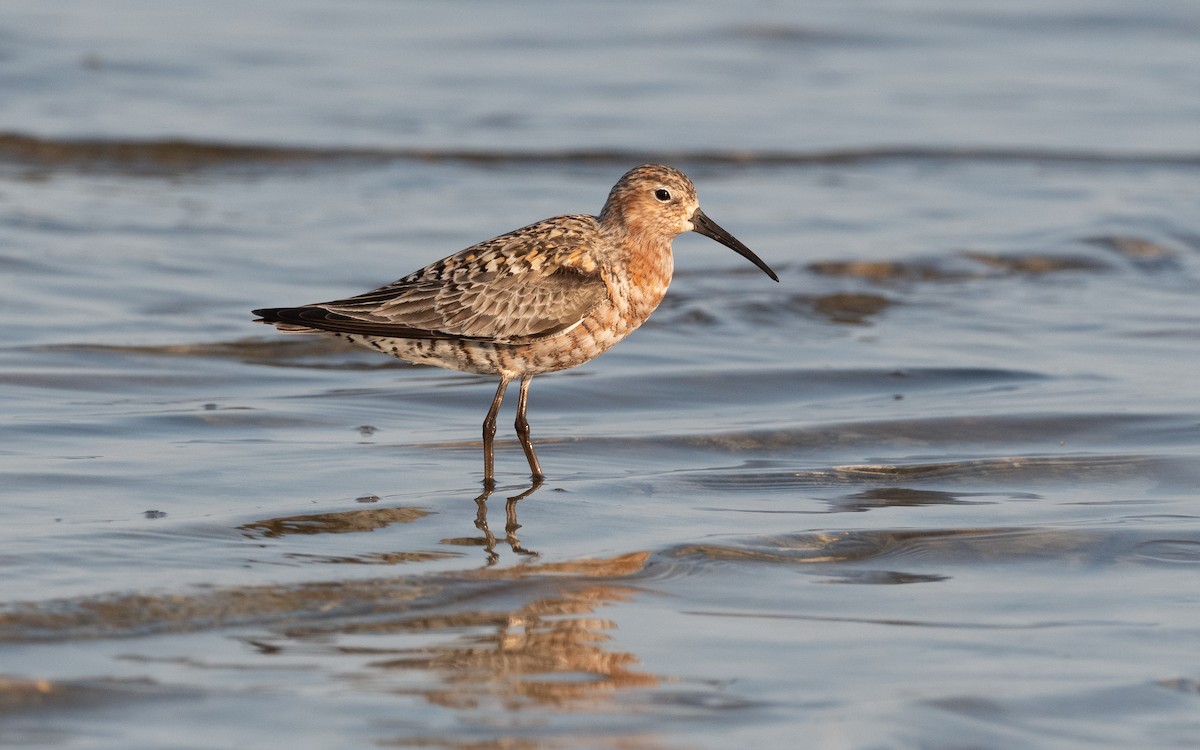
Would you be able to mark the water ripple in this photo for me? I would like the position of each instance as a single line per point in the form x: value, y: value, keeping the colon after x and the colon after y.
x: 952, y: 549
x: 155, y: 156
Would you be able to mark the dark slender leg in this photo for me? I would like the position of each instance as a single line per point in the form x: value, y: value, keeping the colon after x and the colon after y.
x: 522, y: 426
x: 489, y: 437
x: 489, y: 474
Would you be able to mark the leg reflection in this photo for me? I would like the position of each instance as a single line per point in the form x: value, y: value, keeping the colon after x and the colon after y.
x: 510, y: 520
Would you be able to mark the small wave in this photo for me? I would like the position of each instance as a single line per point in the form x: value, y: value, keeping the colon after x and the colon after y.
x: 908, y: 484
x: 332, y: 523
x: 334, y: 606
x: 151, y: 156
x: 964, y: 266
x: 309, y: 352
x: 18, y: 694
x: 828, y: 552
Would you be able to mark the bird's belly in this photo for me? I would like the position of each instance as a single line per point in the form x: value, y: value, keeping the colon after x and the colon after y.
x: 589, y: 339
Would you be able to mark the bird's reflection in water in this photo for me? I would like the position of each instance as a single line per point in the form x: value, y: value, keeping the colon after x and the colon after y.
x: 536, y: 640
x: 510, y: 520
x: 549, y: 651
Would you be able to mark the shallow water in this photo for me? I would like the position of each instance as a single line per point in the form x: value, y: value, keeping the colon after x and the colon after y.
x: 976, y: 378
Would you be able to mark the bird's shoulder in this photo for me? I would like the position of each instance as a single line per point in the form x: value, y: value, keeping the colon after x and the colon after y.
x: 575, y: 242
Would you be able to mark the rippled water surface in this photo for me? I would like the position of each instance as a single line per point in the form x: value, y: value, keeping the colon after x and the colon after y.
x: 938, y: 488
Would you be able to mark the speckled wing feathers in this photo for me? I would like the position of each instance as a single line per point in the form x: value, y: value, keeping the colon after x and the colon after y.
x: 529, y: 283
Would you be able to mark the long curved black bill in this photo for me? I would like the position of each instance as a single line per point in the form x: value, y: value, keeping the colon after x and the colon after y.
x: 701, y: 224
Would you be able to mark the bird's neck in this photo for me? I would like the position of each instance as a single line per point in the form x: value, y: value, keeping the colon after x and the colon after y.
x: 648, y: 269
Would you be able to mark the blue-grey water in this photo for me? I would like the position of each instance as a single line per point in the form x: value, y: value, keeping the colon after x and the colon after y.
x: 938, y: 488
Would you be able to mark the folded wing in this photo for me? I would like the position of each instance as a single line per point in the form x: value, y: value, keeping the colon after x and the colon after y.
x: 524, y: 285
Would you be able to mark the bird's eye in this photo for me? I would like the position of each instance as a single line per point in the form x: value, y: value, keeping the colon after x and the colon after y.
x: 663, y: 195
